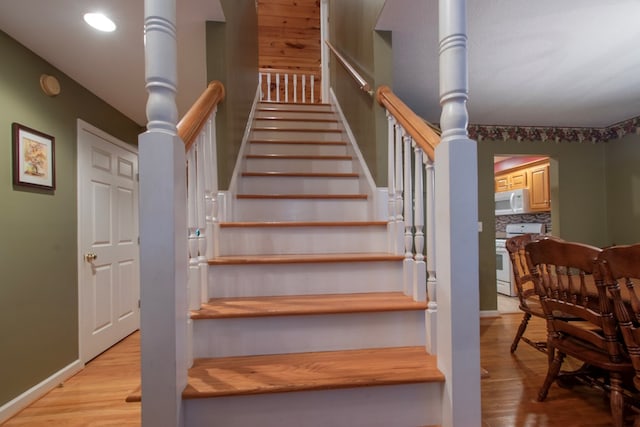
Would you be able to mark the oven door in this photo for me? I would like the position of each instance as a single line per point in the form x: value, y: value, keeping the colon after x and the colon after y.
x: 504, y: 278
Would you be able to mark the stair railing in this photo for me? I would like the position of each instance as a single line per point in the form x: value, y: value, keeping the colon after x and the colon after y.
x: 198, y: 131
x: 284, y: 85
x: 362, y: 83
x: 411, y: 151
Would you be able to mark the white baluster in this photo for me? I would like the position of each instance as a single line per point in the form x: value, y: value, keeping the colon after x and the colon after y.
x: 391, y: 225
x: 260, y: 86
x: 313, y: 85
x: 269, y: 87
x: 201, y: 212
x: 398, y: 191
x: 286, y: 87
x: 295, y: 88
x: 432, y: 304
x: 408, y: 215
x: 420, y: 272
x: 304, y: 88
x: 277, y: 87
x: 194, y: 274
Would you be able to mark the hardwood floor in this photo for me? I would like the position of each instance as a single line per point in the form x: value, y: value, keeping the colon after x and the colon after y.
x: 95, y: 396
x: 509, y: 392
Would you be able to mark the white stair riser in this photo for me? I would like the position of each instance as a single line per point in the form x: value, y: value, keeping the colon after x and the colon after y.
x: 296, y: 114
x: 298, y: 149
x: 301, y: 210
x: 298, y: 107
x: 302, y: 240
x: 227, y: 281
x: 298, y: 165
x: 296, y: 334
x: 383, y: 406
x: 298, y: 185
x: 295, y: 124
x: 297, y: 136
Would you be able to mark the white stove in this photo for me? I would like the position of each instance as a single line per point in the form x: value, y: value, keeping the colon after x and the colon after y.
x: 504, y: 276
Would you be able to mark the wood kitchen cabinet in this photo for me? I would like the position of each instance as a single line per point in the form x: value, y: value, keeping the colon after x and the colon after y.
x: 535, y: 177
x: 511, y: 181
x: 539, y: 193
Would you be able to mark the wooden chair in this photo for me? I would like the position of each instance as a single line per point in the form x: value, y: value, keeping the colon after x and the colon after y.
x: 563, y: 276
x: 529, y: 301
x: 620, y: 270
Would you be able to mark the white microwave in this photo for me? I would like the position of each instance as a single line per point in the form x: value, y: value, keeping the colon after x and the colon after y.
x: 512, y: 202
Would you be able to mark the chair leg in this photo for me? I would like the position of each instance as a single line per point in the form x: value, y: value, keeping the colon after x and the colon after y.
x: 552, y: 373
x: 616, y: 400
x: 521, y: 329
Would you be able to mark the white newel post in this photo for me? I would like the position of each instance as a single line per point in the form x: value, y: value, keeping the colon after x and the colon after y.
x: 163, y: 225
x: 458, y: 343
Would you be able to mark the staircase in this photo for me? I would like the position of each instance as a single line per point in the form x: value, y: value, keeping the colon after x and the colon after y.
x: 307, y: 322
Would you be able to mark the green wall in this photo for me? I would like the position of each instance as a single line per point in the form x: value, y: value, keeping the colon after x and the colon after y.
x: 38, y: 247
x: 352, y: 32
x: 232, y: 58
x: 623, y: 190
x: 578, y: 198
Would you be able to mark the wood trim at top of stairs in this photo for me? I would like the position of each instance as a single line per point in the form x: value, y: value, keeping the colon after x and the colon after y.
x: 301, y: 130
x: 298, y: 305
x: 297, y: 157
x: 303, y: 174
x: 304, y: 258
x: 296, y: 142
x: 279, y: 373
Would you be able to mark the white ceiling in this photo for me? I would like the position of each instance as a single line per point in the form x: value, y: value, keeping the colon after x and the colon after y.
x: 544, y: 62
x: 111, y: 65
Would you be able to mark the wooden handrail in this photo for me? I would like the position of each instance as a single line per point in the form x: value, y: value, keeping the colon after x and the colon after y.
x: 362, y: 83
x: 415, y: 126
x: 192, y: 122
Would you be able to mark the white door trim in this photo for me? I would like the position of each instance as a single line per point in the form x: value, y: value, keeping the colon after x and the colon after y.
x: 84, y: 126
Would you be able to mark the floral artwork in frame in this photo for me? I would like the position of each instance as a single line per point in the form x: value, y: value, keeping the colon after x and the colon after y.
x: 33, y: 158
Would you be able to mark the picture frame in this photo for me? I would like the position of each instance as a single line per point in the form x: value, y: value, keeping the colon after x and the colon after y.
x: 33, y: 158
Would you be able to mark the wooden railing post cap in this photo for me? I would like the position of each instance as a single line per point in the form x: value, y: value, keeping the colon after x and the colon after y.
x: 380, y: 92
x: 217, y: 83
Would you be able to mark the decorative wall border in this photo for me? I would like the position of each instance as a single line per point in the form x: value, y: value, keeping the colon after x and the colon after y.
x: 555, y: 134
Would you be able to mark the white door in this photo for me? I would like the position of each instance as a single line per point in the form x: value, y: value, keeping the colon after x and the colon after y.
x: 108, y: 274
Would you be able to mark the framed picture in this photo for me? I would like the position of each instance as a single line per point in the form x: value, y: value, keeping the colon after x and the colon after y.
x: 33, y: 158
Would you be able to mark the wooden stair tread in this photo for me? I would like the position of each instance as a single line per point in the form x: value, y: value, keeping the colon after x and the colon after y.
x: 250, y: 375
x: 295, y: 142
x: 304, y: 258
x: 284, y: 224
x: 289, y: 305
x: 298, y: 157
x: 303, y: 174
x: 304, y: 196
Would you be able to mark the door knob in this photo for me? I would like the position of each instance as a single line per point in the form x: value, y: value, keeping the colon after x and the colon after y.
x: 90, y: 256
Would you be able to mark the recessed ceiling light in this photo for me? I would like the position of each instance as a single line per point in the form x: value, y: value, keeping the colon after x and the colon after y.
x: 99, y: 22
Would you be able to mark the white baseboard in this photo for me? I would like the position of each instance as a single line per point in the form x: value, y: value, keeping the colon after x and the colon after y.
x: 14, y: 406
x: 489, y: 313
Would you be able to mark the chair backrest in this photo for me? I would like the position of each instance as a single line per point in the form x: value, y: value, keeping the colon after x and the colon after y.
x: 563, y: 273
x: 620, y: 268
x: 524, y: 282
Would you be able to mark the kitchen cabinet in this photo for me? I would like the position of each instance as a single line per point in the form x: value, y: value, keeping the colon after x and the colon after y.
x: 539, y: 194
x: 533, y: 176
x: 511, y: 181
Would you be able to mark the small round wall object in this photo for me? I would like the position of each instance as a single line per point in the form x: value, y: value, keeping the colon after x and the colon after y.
x: 50, y: 85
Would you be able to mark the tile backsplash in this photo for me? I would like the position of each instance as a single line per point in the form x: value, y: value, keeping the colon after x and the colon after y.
x: 541, y: 217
